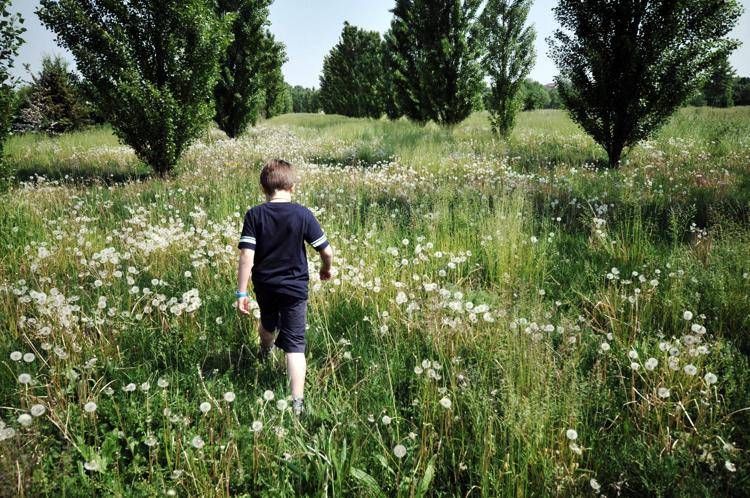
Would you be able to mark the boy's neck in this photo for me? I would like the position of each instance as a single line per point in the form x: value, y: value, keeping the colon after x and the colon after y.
x: 280, y: 196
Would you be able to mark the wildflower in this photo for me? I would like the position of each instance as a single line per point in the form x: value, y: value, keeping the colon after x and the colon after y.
x: 730, y: 466
x: 651, y: 363
x: 257, y: 426
x: 418, y: 370
x: 197, y: 442
x: 604, y: 347
x: 92, y: 465
x: 24, y: 419
x: 445, y: 402
x: 268, y: 395
x: 28, y: 357
x: 38, y: 410
x: 129, y: 388
x: 145, y: 387
x: 108, y: 391
x: 426, y: 363
x: 663, y: 392
x: 150, y: 441
x: 634, y: 366
x: 710, y: 378
x: 575, y: 448
x: 386, y: 420
x: 687, y: 315
x: 162, y: 382
x: 89, y: 407
x: 571, y: 434
x: 401, y: 298
x: 24, y: 378
x: 399, y: 450
x: 633, y: 354
x: 16, y: 356
x: 690, y: 369
x: 229, y: 396
x: 281, y: 405
x: 205, y: 407
x: 594, y: 485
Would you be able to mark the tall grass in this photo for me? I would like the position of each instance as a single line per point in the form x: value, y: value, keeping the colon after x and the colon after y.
x: 506, y: 320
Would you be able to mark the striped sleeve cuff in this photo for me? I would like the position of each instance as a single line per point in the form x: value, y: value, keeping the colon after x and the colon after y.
x: 247, y: 243
x: 320, y: 243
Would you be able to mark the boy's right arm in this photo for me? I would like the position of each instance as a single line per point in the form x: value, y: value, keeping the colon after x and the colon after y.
x: 245, y: 266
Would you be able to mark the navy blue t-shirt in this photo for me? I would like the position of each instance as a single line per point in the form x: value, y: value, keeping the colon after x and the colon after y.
x: 276, y: 231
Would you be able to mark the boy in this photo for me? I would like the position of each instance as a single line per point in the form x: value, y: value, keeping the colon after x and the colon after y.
x: 272, y: 251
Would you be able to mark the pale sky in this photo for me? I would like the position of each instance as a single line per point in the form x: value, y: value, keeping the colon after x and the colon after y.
x: 309, y: 28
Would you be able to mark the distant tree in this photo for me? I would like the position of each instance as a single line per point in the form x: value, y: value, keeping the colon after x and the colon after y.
x: 351, y: 80
x: 435, y: 47
x: 534, y: 95
x: 554, y: 99
x: 741, y: 91
x: 239, y: 91
x: 11, y: 29
x: 276, y: 97
x: 626, y: 66
x: 720, y: 84
x: 507, y: 60
x: 387, y: 79
x: 54, y: 101
x: 305, y: 99
x: 153, y: 67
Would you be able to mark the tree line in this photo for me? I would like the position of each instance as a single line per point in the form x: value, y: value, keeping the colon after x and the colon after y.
x: 160, y: 73
x: 624, y: 66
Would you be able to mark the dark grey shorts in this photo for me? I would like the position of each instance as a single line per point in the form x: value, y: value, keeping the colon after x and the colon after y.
x: 286, y: 313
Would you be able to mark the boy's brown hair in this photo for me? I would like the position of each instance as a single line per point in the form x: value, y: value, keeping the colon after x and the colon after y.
x: 277, y: 174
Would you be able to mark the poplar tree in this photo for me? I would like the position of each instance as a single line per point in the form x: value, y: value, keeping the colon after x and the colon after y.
x: 151, y: 66
x: 351, y: 80
x: 239, y: 95
x: 435, y: 47
x: 507, y: 60
x: 11, y: 29
x: 627, y: 65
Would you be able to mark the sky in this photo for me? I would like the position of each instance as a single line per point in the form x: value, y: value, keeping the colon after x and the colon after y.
x: 309, y: 28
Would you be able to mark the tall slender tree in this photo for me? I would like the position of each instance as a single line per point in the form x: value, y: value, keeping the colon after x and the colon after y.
x: 626, y: 65
x: 277, y: 98
x: 152, y: 67
x: 388, y: 87
x: 239, y: 91
x: 719, y: 87
x: 507, y: 59
x: 351, y: 80
x: 11, y: 29
x: 435, y: 47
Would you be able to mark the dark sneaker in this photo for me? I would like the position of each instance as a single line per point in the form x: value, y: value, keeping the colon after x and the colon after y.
x: 298, y: 406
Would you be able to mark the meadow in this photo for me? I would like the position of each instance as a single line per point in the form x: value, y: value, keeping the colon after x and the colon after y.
x: 507, y: 318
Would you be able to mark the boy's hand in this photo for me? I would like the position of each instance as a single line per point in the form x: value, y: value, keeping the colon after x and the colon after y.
x: 325, y: 274
x: 243, y: 304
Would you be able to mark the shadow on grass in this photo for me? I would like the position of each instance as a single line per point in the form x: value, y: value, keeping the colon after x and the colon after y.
x: 71, y: 175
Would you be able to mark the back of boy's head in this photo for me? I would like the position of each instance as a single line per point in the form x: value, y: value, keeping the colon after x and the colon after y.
x: 277, y: 174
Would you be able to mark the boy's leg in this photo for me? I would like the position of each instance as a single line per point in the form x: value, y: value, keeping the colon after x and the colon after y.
x: 296, y: 367
x: 291, y: 339
x: 266, y: 337
x: 269, y: 319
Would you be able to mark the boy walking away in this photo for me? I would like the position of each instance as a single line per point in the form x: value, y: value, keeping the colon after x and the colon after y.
x: 272, y: 251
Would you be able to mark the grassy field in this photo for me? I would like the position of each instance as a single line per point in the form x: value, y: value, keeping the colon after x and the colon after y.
x: 507, y: 318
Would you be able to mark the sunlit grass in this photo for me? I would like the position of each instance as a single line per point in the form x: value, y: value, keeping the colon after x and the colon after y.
x: 492, y: 301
